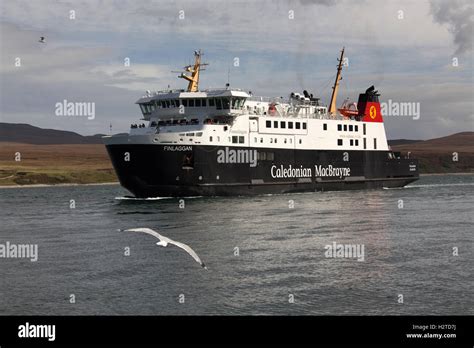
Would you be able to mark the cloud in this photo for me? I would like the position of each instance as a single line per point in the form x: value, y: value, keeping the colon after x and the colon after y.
x: 83, y: 59
x: 459, y: 16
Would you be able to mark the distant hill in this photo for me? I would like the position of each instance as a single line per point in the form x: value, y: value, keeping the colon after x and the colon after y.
x: 396, y: 142
x: 459, y: 142
x: 28, y: 134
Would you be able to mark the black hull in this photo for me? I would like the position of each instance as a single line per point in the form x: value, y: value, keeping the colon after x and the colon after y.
x: 184, y: 171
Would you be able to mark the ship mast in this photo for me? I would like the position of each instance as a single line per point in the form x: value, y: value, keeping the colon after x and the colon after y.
x: 195, y: 69
x: 335, y: 88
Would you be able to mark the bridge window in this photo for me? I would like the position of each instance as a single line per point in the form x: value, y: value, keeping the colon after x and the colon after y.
x: 339, y: 127
x: 356, y: 128
x: 357, y: 142
x: 241, y: 140
x: 226, y: 103
x: 350, y: 128
x: 197, y: 103
x: 167, y: 103
x: 304, y: 125
x: 345, y: 128
x: 290, y: 125
x: 191, y: 103
x: 339, y: 142
x: 269, y: 124
x: 184, y: 102
x: 212, y: 102
x: 275, y: 124
x: 351, y: 142
x: 235, y: 139
x: 218, y: 104
x: 298, y: 125
x: 282, y: 124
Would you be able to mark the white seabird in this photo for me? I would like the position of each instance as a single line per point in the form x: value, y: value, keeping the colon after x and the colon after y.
x: 164, y: 241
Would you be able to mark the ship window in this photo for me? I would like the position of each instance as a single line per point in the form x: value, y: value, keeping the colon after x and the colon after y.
x: 325, y: 126
x: 198, y: 103
x: 270, y: 156
x: 304, y: 125
x: 364, y: 128
x: 282, y: 124
x: 199, y: 134
x: 219, y: 103
x: 375, y: 143
x: 290, y: 125
x: 275, y: 124
x: 167, y: 103
x: 350, y: 128
x: 204, y: 102
x: 191, y: 103
x: 212, y: 102
x: 351, y: 142
x: 235, y: 139
x: 184, y: 102
x: 345, y: 128
x: 210, y: 139
x: 226, y: 103
x: 300, y: 141
x: 254, y: 140
x: 241, y: 140
x: 163, y: 104
x: 339, y: 127
x: 339, y: 142
x: 194, y: 121
x: 356, y: 128
x: 357, y: 142
x: 143, y: 108
x: 291, y: 141
x: 269, y: 124
x: 189, y: 134
x: 298, y: 125
x: 284, y: 141
x: 271, y: 140
x: 261, y: 140
x: 365, y: 144
x: 276, y: 140
x: 177, y: 103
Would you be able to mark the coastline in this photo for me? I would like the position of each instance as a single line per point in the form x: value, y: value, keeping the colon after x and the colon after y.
x: 61, y: 185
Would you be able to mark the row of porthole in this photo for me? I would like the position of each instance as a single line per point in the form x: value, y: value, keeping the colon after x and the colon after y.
x: 200, y: 177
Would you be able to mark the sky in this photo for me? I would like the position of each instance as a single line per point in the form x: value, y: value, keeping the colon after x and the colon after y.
x: 413, y: 51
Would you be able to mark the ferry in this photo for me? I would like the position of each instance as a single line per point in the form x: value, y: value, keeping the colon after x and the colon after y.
x: 226, y: 141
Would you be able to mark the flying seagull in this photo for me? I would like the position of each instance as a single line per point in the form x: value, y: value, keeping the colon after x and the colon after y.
x: 42, y: 39
x: 164, y: 241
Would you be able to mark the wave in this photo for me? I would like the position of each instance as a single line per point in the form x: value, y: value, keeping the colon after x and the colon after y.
x: 130, y: 198
x: 428, y: 185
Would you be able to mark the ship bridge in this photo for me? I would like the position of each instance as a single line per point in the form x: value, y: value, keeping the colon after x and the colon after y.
x: 180, y: 104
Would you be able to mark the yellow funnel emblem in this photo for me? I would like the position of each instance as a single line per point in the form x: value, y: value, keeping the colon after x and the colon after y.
x: 373, y: 112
